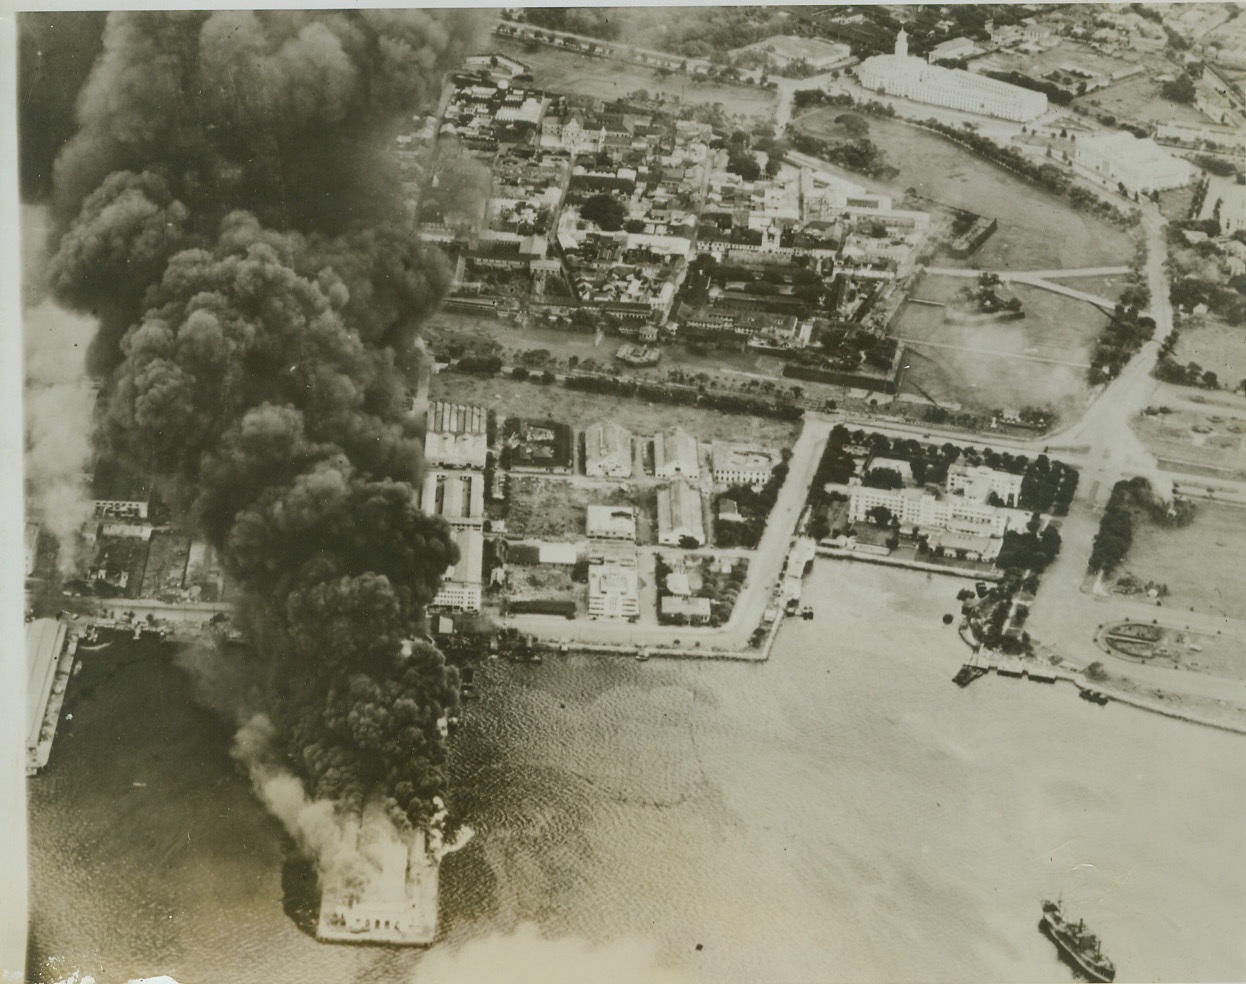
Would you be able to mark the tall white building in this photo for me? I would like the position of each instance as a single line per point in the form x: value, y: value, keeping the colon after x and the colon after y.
x: 919, y: 509
x: 1140, y: 165
x: 911, y: 78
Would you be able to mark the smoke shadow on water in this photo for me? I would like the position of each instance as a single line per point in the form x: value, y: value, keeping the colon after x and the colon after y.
x: 300, y: 887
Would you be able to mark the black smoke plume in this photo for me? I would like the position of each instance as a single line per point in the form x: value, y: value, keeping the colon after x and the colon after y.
x: 224, y: 207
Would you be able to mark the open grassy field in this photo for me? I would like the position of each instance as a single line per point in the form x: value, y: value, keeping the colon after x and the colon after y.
x: 582, y: 75
x: 981, y: 365
x: 508, y: 396
x: 1037, y: 230
x: 1214, y: 345
x: 1201, y: 564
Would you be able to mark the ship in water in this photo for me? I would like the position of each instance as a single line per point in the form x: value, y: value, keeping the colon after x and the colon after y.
x: 1076, y: 943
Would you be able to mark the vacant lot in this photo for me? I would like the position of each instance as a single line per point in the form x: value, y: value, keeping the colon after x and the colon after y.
x: 556, y: 509
x: 995, y: 365
x: 545, y: 582
x: 1037, y: 230
x: 1139, y: 98
x: 582, y: 75
x: 513, y: 398
x: 1201, y: 564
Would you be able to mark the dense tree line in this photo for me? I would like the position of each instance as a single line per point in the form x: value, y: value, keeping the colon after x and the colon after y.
x: 682, y: 396
x: 1119, y: 341
x: 1056, y: 94
x: 1032, y: 550
x: 1132, y: 500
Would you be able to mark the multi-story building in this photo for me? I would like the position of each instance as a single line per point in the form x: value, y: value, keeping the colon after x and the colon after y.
x: 675, y: 452
x: 613, y: 587
x: 679, y: 515
x: 460, y: 587
x: 979, y: 483
x: 456, y: 436
x: 1140, y: 165
x: 925, y: 510
x: 911, y: 78
x: 741, y: 464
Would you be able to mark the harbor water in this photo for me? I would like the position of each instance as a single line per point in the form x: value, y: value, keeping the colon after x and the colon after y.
x: 840, y: 813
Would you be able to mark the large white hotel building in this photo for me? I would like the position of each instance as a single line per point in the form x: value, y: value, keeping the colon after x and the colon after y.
x: 911, y: 78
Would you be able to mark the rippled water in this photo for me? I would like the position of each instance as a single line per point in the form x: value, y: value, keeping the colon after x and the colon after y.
x: 841, y: 813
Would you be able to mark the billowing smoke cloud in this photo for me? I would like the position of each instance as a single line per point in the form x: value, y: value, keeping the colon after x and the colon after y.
x: 526, y: 957
x: 225, y: 210
x: 58, y: 400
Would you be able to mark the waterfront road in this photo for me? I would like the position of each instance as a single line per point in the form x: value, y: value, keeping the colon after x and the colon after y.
x: 764, y: 571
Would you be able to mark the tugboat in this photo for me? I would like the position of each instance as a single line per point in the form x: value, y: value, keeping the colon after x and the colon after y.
x: 1077, y: 944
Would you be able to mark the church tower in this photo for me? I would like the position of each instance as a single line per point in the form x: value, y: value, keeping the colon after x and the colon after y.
x: 902, y: 44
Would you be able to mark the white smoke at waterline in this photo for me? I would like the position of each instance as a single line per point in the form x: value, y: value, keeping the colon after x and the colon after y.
x: 321, y: 832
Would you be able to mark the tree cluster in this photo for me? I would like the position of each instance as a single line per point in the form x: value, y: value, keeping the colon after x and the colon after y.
x: 754, y: 506
x: 1132, y: 500
x: 1119, y: 341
